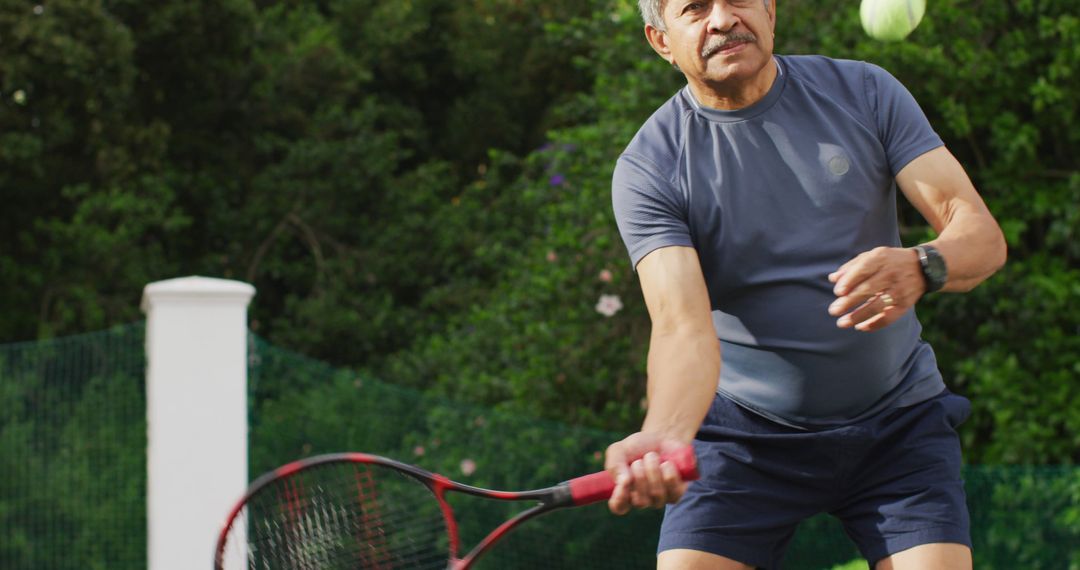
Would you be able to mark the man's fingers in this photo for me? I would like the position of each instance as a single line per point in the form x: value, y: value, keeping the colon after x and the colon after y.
x: 674, y: 486
x: 864, y: 297
x: 641, y: 479
x: 855, y: 271
x: 867, y: 294
x: 615, y: 459
x: 615, y: 464
x: 845, y: 304
x: 849, y: 271
x: 871, y: 271
x: 654, y: 483
x: 639, y: 490
x: 619, y: 503
x: 656, y: 490
x: 875, y: 305
x: 875, y: 288
x: 880, y: 320
x: 855, y: 293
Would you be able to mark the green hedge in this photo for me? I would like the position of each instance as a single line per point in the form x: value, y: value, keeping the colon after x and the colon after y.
x: 421, y: 189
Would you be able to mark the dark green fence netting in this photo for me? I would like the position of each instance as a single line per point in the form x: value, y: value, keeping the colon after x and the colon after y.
x: 73, y: 452
x: 73, y: 465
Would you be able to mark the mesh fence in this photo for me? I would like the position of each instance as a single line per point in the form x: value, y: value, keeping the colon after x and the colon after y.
x: 1021, y: 517
x: 73, y: 452
x: 73, y: 465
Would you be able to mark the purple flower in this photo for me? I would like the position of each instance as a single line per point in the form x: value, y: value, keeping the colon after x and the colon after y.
x: 557, y: 180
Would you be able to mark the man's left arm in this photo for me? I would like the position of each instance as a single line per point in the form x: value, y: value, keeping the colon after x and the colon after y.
x: 875, y: 288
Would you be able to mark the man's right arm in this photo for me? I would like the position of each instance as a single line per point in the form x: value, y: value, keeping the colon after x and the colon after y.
x: 683, y: 371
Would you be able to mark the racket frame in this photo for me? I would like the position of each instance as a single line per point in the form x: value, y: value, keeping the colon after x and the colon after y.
x: 579, y: 491
x: 548, y: 499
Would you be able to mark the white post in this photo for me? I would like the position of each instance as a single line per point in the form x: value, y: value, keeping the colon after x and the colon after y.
x: 196, y: 414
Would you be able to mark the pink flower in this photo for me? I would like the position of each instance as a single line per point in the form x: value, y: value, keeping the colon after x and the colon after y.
x: 418, y: 450
x: 468, y: 467
x: 609, y: 305
x: 552, y: 256
x: 605, y: 276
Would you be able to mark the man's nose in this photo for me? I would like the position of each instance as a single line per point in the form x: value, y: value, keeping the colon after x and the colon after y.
x: 721, y: 17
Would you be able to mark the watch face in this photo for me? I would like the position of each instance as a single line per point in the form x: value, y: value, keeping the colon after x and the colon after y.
x: 933, y: 266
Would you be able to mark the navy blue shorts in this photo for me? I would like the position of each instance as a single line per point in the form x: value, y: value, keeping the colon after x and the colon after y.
x: 893, y: 480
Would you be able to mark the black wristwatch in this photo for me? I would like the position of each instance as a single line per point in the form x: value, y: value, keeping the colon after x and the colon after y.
x: 933, y: 267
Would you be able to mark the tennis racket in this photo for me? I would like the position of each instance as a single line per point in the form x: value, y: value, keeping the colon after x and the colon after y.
x: 360, y: 511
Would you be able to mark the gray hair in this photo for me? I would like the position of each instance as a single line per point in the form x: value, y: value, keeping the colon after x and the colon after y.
x: 652, y: 12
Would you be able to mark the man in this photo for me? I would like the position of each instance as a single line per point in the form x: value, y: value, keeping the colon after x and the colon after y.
x: 758, y: 206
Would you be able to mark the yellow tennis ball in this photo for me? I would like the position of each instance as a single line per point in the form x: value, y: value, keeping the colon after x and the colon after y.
x: 891, y: 20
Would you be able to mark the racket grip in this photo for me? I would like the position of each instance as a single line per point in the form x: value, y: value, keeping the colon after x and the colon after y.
x: 599, y: 486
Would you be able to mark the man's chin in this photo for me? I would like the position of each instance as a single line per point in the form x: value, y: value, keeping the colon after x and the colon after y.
x: 730, y: 71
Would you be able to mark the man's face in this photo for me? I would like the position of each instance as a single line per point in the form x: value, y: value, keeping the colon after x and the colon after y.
x: 714, y: 41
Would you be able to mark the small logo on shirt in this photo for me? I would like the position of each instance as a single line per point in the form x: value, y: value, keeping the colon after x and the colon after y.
x: 839, y: 165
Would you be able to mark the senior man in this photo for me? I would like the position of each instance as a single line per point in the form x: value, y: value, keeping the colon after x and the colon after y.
x: 758, y: 206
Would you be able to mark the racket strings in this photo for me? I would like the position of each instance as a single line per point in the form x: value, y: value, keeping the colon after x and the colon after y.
x: 340, y: 515
x: 371, y: 529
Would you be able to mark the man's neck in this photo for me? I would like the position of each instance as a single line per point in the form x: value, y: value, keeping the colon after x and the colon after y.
x: 731, y: 95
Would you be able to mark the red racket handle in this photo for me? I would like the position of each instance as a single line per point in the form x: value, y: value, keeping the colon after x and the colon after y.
x: 599, y: 486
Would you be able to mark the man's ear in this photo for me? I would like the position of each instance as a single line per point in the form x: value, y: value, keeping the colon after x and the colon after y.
x: 659, y: 41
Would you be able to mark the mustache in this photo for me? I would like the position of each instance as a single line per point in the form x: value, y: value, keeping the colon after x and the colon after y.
x: 718, y: 42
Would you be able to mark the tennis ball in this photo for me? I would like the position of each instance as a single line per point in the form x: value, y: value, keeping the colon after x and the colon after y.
x: 891, y: 20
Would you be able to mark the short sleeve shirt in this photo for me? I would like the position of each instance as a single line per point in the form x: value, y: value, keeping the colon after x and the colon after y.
x: 774, y: 197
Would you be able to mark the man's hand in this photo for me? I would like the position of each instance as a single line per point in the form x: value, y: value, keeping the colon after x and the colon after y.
x: 875, y: 288
x: 641, y: 479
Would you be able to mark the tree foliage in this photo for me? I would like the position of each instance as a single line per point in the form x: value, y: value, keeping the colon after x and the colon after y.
x: 421, y: 188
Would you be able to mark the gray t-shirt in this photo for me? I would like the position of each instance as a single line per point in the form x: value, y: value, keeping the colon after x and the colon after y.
x: 774, y: 197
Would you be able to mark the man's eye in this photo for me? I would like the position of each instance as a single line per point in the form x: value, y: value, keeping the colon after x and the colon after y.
x: 693, y: 7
